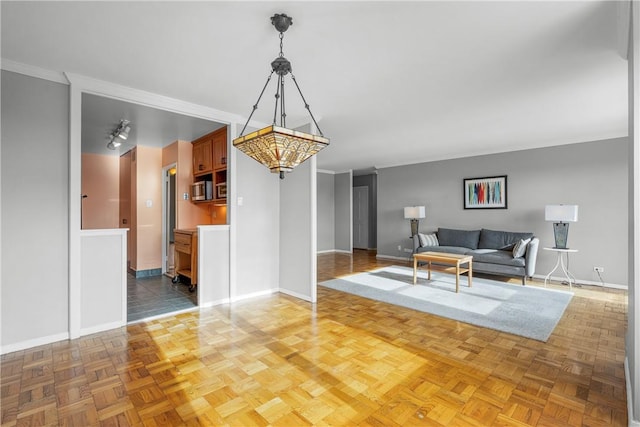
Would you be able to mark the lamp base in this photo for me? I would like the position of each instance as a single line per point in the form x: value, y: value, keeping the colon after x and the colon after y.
x: 560, y: 232
x: 414, y: 227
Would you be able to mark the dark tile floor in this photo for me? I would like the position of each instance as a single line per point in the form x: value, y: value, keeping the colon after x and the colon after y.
x: 152, y: 296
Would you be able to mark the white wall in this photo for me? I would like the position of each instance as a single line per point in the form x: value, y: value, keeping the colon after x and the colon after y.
x: 35, y: 170
x: 592, y: 175
x: 632, y: 343
x: 326, y: 212
x: 213, y: 265
x: 104, y: 279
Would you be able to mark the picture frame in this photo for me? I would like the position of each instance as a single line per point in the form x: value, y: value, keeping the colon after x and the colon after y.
x: 485, y: 193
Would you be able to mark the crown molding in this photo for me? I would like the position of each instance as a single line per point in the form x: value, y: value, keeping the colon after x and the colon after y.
x: 33, y: 71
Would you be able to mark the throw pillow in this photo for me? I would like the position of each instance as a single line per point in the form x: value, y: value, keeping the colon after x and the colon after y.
x: 520, y: 248
x: 428, y: 239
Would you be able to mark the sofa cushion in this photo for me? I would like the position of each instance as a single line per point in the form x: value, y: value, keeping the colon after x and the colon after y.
x: 503, y: 240
x: 520, y: 248
x: 460, y: 238
x: 496, y: 257
x: 446, y: 249
x: 428, y: 239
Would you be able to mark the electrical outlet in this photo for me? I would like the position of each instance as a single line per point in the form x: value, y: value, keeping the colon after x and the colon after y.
x: 408, y: 250
x: 598, y: 269
x: 399, y: 247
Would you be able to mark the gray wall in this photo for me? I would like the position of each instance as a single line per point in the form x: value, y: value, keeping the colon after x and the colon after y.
x: 343, y: 213
x: 326, y: 212
x: 592, y: 175
x: 257, y: 226
x: 297, y: 249
x: 35, y: 202
x: 371, y: 182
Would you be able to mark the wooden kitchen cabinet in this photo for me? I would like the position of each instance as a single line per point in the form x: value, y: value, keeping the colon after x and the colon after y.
x: 202, y: 156
x: 220, y: 149
x: 186, y: 256
x: 210, y: 163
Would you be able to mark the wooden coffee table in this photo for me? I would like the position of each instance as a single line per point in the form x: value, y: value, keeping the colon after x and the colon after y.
x: 454, y: 260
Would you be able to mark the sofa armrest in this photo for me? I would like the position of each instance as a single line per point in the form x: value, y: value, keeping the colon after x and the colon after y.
x: 531, y: 256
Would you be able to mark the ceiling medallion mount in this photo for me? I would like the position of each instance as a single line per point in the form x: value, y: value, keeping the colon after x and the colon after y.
x: 278, y: 148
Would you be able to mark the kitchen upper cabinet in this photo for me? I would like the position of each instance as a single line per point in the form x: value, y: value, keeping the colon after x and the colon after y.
x: 202, y: 156
x: 210, y: 164
x: 220, y: 149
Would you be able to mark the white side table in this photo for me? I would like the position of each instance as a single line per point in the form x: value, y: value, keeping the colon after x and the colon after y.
x: 560, y: 262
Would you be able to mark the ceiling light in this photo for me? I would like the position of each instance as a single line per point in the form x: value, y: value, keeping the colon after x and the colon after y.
x: 278, y: 148
x: 125, y: 133
x: 122, y: 132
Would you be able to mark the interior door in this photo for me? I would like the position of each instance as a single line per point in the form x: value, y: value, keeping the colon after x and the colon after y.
x: 361, y: 217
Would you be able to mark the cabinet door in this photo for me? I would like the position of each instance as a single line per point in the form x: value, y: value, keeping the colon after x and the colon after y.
x: 202, y: 157
x: 220, y: 150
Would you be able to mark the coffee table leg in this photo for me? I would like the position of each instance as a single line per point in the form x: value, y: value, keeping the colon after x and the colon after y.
x: 429, y: 270
x: 470, y: 273
x: 457, y: 277
x: 415, y: 270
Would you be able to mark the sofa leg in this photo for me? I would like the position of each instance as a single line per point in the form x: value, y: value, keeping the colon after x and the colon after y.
x: 524, y: 280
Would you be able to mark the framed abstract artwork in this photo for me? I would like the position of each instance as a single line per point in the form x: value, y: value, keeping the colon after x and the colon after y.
x: 485, y: 193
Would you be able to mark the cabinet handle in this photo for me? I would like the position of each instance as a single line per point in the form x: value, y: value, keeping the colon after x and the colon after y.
x: 200, y: 167
x: 223, y: 160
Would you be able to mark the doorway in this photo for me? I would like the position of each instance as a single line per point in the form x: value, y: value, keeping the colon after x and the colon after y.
x: 168, y: 218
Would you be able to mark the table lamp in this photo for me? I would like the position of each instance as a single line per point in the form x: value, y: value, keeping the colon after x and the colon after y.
x: 561, y: 215
x: 414, y: 213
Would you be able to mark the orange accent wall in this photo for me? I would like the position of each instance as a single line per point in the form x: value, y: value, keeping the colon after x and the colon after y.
x: 148, y: 181
x: 101, y: 183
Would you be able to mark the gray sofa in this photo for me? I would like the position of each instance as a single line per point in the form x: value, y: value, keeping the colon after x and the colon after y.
x: 493, y: 251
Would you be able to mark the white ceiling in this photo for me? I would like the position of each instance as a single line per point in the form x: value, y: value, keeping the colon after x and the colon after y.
x: 149, y: 126
x: 393, y: 82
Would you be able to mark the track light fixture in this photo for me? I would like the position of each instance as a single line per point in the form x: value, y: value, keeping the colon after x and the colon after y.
x: 122, y: 132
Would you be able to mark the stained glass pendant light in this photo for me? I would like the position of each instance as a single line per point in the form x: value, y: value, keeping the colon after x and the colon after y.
x: 278, y: 148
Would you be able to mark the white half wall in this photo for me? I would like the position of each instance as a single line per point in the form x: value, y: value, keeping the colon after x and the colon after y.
x: 103, y: 294
x: 213, y: 265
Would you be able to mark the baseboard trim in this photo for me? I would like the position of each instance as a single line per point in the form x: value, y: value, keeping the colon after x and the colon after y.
x: 253, y: 295
x: 101, y: 328
x: 216, y: 302
x: 631, y: 421
x: 160, y: 316
x: 295, y: 294
x: 582, y: 282
x: 23, y: 345
x: 146, y: 273
x: 397, y: 258
x: 334, y: 251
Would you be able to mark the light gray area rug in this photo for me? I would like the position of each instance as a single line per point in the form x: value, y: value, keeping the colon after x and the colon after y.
x: 527, y: 311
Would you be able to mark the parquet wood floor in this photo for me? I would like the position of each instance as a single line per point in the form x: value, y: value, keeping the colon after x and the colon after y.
x: 346, y: 361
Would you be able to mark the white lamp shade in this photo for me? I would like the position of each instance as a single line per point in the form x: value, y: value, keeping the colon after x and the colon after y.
x: 561, y: 213
x: 414, y: 212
